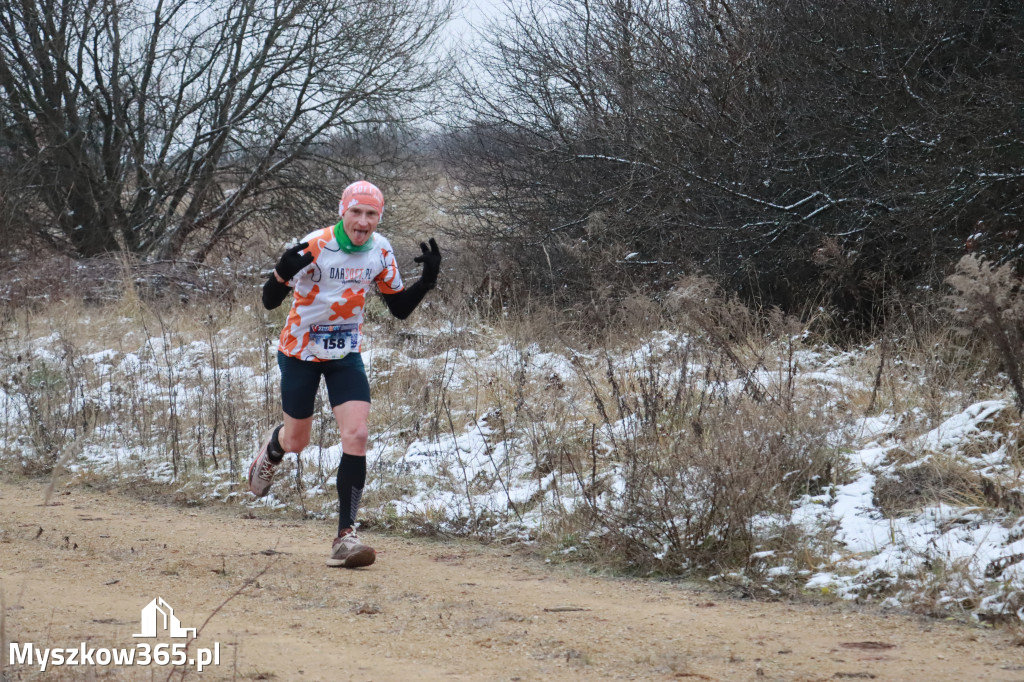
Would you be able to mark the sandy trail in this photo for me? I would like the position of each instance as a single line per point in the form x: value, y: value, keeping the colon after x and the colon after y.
x: 82, y: 568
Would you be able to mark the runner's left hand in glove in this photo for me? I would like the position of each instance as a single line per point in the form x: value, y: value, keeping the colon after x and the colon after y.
x: 431, y: 259
x: 292, y: 262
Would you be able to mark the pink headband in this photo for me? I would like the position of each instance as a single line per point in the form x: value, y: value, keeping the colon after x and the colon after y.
x: 361, y: 192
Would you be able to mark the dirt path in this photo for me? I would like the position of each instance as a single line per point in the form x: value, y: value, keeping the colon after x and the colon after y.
x: 82, y: 568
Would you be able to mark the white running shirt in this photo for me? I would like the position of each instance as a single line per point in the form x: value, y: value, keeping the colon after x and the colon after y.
x: 326, y: 318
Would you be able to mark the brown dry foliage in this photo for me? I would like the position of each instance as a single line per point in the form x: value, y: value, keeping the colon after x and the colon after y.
x: 989, y: 299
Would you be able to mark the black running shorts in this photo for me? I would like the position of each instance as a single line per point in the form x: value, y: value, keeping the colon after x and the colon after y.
x: 300, y: 379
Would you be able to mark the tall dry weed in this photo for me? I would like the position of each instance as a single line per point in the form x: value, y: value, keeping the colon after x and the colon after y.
x: 925, y: 368
x: 989, y: 299
x: 132, y: 377
x: 702, y: 462
x: 697, y: 441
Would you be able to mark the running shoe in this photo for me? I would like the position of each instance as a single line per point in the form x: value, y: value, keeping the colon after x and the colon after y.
x: 261, y: 471
x: 348, y: 552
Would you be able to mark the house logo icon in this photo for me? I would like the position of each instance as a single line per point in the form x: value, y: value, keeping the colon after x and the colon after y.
x: 157, y: 615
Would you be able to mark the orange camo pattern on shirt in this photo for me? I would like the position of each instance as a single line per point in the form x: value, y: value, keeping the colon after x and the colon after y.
x: 386, y: 279
x: 317, y: 241
x: 343, y: 311
x: 333, y: 288
x: 289, y: 344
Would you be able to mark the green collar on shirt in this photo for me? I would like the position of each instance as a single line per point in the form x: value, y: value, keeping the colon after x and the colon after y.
x: 346, y: 244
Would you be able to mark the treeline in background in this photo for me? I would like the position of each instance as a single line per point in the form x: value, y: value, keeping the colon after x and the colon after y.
x: 801, y: 153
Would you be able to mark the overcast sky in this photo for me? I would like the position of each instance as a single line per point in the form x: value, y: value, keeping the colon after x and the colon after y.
x: 470, y: 17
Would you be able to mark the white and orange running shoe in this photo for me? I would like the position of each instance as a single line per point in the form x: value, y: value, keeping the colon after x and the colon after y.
x: 348, y: 552
x: 261, y: 471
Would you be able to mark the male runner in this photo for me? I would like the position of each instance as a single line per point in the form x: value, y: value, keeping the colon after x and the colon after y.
x: 331, y: 272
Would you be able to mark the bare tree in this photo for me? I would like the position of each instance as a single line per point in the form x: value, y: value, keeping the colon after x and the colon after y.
x: 549, y: 151
x: 786, y: 147
x: 161, y: 126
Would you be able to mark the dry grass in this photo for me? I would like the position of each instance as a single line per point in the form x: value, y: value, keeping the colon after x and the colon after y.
x: 938, y: 480
x: 673, y: 438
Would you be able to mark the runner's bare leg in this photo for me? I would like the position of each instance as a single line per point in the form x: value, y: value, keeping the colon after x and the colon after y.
x: 353, y: 417
x: 295, y: 434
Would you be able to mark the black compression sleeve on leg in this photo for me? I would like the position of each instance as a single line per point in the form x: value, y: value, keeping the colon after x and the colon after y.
x: 405, y: 301
x: 274, y: 292
x: 274, y: 449
x: 351, y: 479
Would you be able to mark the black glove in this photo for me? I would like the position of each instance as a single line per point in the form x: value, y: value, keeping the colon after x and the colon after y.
x: 292, y: 261
x: 431, y: 259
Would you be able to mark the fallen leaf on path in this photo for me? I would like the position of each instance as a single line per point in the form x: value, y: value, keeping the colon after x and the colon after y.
x: 366, y: 609
x: 867, y: 645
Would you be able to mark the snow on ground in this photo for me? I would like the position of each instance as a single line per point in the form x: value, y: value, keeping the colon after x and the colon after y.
x: 907, y: 552
x: 477, y: 475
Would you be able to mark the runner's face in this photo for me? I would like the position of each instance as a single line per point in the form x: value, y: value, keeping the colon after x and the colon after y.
x: 359, y: 222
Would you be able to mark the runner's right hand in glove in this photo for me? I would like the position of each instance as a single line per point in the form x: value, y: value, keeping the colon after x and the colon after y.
x: 431, y: 259
x: 292, y: 262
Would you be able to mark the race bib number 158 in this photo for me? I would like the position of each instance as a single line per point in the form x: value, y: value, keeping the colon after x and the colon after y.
x: 334, y: 340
